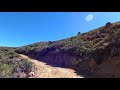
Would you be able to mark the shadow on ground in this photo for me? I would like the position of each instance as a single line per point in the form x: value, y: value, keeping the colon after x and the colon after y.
x: 84, y: 73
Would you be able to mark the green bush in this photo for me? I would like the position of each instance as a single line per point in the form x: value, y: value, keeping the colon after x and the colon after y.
x: 24, y: 65
x: 11, y: 66
x: 5, y: 70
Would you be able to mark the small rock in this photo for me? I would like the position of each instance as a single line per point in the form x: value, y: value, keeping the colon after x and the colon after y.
x: 31, y: 74
x: 105, y: 44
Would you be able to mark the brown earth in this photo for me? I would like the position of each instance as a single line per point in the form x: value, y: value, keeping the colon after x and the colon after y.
x: 108, y: 69
x: 42, y: 70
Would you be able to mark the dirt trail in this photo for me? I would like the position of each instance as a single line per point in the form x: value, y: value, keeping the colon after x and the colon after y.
x: 42, y: 70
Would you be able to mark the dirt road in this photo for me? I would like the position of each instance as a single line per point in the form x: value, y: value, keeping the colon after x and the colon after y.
x: 42, y: 70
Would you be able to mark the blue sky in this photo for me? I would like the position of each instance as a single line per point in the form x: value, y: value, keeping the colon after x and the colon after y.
x: 22, y: 28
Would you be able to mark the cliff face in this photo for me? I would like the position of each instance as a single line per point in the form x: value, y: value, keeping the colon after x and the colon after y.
x: 54, y: 56
x: 109, y: 68
x: 96, y: 52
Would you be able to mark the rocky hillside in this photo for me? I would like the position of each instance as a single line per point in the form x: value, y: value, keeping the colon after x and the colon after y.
x: 95, y: 53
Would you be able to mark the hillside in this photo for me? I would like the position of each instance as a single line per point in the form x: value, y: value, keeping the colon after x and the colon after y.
x: 95, y: 53
x: 12, y: 65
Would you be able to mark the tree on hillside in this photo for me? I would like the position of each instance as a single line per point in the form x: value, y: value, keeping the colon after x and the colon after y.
x: 78, y: 33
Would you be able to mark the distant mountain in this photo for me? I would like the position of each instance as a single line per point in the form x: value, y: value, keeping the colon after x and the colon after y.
x: 95, y: 53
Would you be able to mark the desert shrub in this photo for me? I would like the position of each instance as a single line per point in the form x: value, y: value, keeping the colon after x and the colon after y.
x: 11, y: 64
x: 81, y: 50
x: 83, y: 34
x: 8, y: 67
x: 78, y: 33
x: 5, y: 70
x: 24, y: 66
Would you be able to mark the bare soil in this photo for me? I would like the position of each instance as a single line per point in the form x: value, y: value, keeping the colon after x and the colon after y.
x: 42, y: 70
